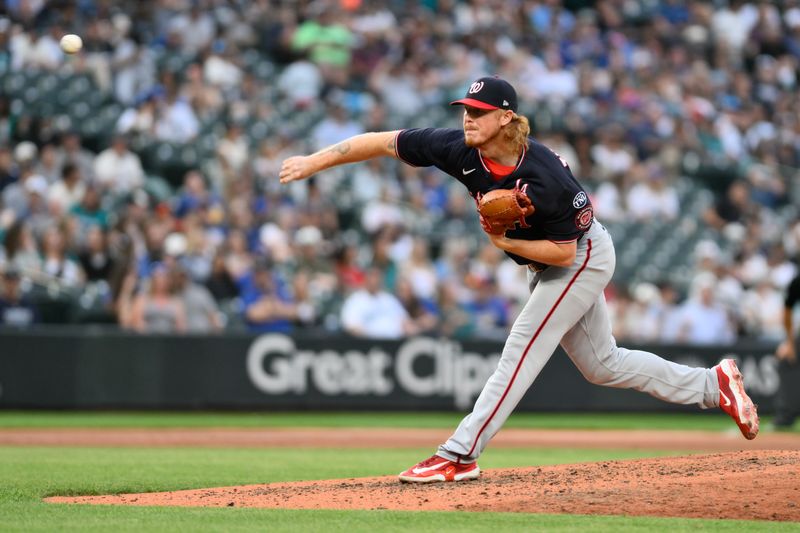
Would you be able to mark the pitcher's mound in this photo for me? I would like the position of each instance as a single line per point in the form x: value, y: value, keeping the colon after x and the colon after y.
x: 753, y: 485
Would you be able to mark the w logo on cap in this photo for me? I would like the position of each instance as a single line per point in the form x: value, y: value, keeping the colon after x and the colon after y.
x: 490, y: 92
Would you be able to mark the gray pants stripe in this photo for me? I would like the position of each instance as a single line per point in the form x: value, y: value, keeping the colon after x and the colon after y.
x: 530, y: 343
x: 567, y: 307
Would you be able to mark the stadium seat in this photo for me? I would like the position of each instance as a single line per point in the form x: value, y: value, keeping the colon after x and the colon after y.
x: 158, y: 188
x: 14, y: 83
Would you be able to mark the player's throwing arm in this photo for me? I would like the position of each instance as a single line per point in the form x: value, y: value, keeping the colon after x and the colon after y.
x: 358, y: 148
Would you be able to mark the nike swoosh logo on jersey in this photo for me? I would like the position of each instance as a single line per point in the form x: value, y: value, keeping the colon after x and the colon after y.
x: 465, y: 171
x: 724, y: 397
x: 416, y: 470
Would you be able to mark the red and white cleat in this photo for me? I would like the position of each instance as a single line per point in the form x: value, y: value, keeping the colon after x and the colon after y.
x: 440, y: 469
x: 734, y: 400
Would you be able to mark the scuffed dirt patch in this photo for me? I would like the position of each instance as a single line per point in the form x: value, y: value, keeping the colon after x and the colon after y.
x: 753, y: 485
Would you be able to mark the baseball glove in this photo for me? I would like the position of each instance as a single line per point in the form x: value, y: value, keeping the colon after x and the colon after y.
x: 502, y: 209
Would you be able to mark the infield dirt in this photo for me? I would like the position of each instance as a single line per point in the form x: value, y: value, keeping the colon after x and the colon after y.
x: 759, y: 485
x: 760, y: 481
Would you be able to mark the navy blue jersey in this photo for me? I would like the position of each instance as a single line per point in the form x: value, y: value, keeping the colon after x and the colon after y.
x: 563, y: 210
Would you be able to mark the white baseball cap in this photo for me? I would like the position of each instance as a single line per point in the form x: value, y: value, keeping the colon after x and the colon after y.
x: 36, y: 184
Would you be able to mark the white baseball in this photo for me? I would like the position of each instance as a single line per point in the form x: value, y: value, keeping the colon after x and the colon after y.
x: 71, y: 43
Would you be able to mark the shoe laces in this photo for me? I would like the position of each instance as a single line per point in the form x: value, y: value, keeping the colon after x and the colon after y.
x: 430, y: 460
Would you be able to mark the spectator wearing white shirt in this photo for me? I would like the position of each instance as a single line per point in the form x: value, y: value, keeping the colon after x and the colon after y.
x: 336, y: 127
x: 206, y: 100
x: 781, y: 269
x: 555, y: 83
x: 702, y: 319
x: 731, y: 25
x: 382, y: 213
x: 751, y: 263
x: 374, y: 20
x: 607, y: 199
x: 68, y: 191
x: 367, y: 181
x: 96, y: 52
x: 46, y: 52
x: 117, y: 169
x: 762, y: 311
x: 670, y: 313
x: 612, y: 155
x: 646, y: 313
x: 652, y: 198
x: 730, y: 135
x: 220, y: 69
x: 557, y: 141
x: 48, y: 164
x: 196, y: 28
x: 175, y: 120
x: 397, y: 87
x: 419, y: 270
x: 374, y: 313
x: 301, y: 83
x: 15, y: 197
x: 140, y: 119
x: 55, y: 263
x: 134, y: 65
x: 233, y: 151
x: 510, y: 276
x: 37, y: 214
x: 20, y: 46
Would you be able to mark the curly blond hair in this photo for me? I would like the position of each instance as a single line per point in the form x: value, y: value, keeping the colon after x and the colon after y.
x: 517, y: 131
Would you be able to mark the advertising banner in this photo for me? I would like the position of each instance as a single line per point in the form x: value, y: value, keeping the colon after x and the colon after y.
x: 102, y: 369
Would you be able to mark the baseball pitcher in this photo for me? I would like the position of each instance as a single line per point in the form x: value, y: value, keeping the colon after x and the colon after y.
x: 536, y: 211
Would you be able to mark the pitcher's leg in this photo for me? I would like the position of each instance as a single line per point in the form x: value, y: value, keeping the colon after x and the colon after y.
x: 526, y: 351
x: 593, y: 349
x: 558, y: 299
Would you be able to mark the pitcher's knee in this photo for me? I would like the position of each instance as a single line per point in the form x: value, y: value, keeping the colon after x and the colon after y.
x: 603, y: 370
x: 599, y: 376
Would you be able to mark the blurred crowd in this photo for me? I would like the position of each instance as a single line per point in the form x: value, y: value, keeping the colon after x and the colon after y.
x: 634, y: 94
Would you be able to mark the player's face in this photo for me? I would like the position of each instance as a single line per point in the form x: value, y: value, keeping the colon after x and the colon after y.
x: 481, y: 125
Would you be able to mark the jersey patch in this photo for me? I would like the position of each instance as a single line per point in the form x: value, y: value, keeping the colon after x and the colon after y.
x: 579, y: 200
x: 584, y: 218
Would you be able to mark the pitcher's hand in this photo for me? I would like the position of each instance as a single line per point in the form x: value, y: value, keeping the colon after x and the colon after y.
x: 296, y: 168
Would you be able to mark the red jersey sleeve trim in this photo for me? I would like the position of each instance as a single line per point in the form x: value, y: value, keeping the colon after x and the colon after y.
x: 397, y: 151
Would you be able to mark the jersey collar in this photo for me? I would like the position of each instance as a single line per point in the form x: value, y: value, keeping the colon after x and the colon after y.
x: 519, y: 162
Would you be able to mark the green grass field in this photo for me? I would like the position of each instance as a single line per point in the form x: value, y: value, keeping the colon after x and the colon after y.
x: 101, y: 419
x: 29, y: 474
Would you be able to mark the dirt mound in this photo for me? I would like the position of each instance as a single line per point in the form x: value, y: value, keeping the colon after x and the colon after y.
x: 753, y: 485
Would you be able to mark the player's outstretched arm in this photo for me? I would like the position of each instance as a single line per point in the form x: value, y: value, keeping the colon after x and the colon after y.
x: 352, y: 150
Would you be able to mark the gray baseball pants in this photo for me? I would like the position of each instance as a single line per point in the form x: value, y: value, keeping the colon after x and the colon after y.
x: 567, y: 306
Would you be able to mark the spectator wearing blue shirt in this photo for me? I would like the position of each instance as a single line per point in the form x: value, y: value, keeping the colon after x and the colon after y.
x: 268, y: 306
x: 489, y: 311
x: 193, y: 196
x: 15, y: 308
